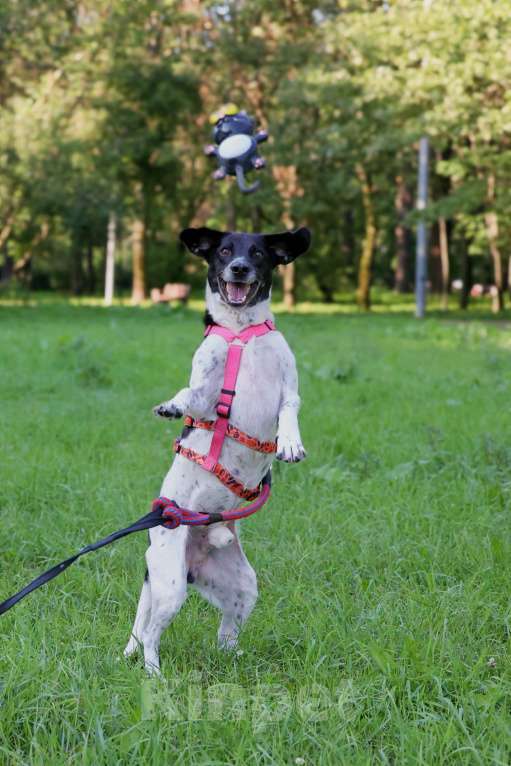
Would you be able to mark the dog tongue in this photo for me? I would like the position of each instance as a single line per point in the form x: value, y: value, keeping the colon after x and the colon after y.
x: 237, y: 291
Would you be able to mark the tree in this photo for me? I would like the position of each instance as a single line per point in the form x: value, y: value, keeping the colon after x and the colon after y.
x: 105, y: 109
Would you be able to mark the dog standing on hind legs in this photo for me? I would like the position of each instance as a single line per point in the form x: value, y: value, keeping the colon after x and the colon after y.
x: 246, y: 423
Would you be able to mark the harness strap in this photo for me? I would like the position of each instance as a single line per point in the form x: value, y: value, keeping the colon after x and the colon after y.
x: 254, y: 331
x: 221, y: 427
x: 234, y: 433
x: 223, y: 407
x: 221, y: 473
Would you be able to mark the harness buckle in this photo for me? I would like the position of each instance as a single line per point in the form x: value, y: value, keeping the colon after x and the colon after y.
x: 223, y: 410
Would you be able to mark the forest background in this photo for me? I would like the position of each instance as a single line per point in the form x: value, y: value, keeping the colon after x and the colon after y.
x: 104, y: 112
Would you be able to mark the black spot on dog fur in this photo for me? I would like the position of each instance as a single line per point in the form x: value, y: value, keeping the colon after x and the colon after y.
x: 208, y: 319
x: 190, y: 578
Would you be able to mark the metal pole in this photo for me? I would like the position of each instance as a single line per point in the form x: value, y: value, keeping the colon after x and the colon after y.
x: 110, y: 259
x: 421, y: 261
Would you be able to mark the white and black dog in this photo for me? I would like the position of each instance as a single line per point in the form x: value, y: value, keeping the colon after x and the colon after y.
x: 266, y: 406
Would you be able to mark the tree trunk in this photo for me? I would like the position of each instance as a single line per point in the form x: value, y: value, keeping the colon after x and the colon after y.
x: 402, y: 203
x: 366, y: 259
x: 5, y: 231
x: 492, y: 232
x: 25, y: 274
x: 288, y: 284
x: 466, y: 276
x: 256, y: 218
x: 138, y: 250
x: 22, y: 268
x: 288, y: 187
x: 444, y: 258
x: 110, y: 260
x: 327, y: 292
x: 7, y: 268
x: 76, y: 269
x: 91, y: 274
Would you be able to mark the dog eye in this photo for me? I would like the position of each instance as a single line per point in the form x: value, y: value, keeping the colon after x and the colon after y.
x: 225, y: 251
x: 258, y: 254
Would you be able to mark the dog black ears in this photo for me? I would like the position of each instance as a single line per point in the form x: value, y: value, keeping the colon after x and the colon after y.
x: 283, y: 247
x: 288, y: 245
x: 202, y: 241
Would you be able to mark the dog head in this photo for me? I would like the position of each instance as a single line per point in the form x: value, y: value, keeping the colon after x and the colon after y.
x: 240, y: 265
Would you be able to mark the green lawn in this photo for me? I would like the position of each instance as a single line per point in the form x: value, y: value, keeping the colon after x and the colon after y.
x: 382, y: 632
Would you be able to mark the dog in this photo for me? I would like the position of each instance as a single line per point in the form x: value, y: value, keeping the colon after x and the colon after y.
x: 265, y: 405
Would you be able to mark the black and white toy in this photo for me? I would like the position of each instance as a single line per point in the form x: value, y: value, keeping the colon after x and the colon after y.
x: 236, y: 146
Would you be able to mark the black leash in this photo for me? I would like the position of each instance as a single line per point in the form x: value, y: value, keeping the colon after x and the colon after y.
x: 164, y: 512
x: 152, y: 519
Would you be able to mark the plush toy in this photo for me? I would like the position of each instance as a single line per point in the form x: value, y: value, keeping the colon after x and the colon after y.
x: 236, y: 145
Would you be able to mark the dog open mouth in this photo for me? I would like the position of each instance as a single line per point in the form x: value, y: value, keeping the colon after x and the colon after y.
x: 237, y: 293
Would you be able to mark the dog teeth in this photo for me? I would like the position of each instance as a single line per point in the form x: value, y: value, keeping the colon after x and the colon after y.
x: 237, y: 291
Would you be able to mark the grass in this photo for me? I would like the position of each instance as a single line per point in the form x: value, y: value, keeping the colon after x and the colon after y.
x: 382, y: 632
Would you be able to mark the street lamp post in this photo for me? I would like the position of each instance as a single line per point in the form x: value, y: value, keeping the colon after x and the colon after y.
x: 421, y: 261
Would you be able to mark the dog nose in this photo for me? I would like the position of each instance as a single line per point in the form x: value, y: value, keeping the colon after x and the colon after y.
x: 239, y: 269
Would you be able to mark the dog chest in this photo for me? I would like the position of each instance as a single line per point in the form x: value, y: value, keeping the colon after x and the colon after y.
x: 256, y: 404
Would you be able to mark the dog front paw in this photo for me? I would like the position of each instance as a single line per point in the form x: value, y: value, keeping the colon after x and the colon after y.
x: 168, y: 410
x: 290, y: 451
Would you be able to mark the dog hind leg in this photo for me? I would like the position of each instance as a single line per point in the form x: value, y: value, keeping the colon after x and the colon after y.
x: 227, y: 580
x: 166, y: 563
x: 141, y: 618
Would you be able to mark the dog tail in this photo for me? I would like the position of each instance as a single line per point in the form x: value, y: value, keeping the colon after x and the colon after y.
x: 242, y: 183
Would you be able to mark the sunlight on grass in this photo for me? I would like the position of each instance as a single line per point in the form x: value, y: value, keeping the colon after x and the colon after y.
x: 384, y: 302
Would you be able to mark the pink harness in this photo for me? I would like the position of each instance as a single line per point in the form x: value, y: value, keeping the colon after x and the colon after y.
x: 221, y: 427
x: 232, y: 366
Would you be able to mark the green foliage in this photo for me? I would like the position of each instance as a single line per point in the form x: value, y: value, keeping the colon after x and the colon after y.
x: 105, y: 105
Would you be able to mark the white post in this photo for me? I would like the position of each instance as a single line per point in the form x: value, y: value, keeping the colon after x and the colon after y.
x: 421, y: 260
x: 110, y: 259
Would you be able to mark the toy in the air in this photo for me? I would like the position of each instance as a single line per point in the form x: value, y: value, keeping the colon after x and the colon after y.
x: 236, y: 145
